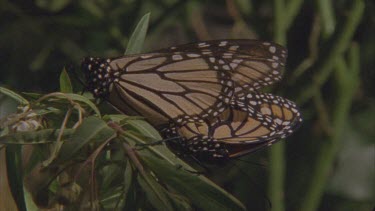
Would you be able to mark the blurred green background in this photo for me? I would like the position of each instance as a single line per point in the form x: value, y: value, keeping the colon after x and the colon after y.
x: 328, y: 164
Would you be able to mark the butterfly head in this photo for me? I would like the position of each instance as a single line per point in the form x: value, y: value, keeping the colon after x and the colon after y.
x: 99, y: 75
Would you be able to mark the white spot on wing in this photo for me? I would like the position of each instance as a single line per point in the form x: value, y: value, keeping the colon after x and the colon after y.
x: 177, y: 57
x: 237, y: 61
x: 226, y: 67
x: 272, y: 49
x: 234, y: 47
x: 278, y: 121
x: 233, y: 65
x: 253, y: 102
x: 203, y: 44
x: 223, y: 43
x: 193, y: 55
x: 146, y: 56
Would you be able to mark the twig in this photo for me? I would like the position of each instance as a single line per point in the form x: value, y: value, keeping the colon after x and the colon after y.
x: 292, y: 8
x: 339, y: 46
x: 57, y: 145
x: 313, y: 52
x: 91, y: 159
x: 327, y: 17
x: 323, y: 114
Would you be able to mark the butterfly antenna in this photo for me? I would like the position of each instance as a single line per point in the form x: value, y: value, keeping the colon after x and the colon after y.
x: 142, y: 146
x: 257, y: 187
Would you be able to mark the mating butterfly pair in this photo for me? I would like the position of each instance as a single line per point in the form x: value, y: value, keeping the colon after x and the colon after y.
x: 205, y: 92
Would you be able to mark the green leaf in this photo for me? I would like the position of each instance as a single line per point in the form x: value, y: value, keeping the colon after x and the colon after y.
x: 201, y: 191
x: 81, y: 98
x: 31, y: 95
x: 30, y: 204
x: 179, y: 202
x: 93, y: 8
x: 111, y: 197
x: 52, y: 5
x: 128, y: 178
x: 138, y: 37
x: 244, y: 6
x: 86, y: 101
x: 110, y: 174
x: 15, y: 175
x: 155, y: 193
x: 131, y: 202
x: 14, y: 96
x: 158, y: 149
x: 144, y: 128
x: 65, y: 83
x: 121, y: 118
x: 92, y: 129
x: 35, y: 137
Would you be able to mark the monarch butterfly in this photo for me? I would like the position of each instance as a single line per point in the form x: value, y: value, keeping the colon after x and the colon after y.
x: 253, y: 121
x: 186, y: 83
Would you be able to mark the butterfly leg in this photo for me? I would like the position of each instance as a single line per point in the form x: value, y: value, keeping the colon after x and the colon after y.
x: 199, y: 146
x: 206, y: 148
x: 154, y: 143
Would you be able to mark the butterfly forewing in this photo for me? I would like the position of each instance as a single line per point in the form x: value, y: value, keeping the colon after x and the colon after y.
x: 186, y: 82
x: 163, y: 87
x: 252, y: 63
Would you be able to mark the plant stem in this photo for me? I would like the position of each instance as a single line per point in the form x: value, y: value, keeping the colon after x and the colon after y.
x: 277, y: 159
x: 279, y: 22
x: 347, y: 82
x: 277, y: 176
x: 326, y: 12
x: 291, y: 11
x: 339, y: 46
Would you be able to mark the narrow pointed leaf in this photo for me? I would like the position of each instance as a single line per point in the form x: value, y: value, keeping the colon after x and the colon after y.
x: 155, y: 193
x: 14, y: 96
x: 65, y: 83
x: 82, y: 99
x: 202, y: 192
x: 15, y: 175
x: 92, y: 129
x: 138, y: 37
x: 35, y: 137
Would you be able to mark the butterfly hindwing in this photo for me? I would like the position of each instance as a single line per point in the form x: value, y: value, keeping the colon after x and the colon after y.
x: 238, y: 131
